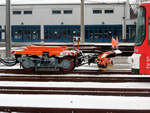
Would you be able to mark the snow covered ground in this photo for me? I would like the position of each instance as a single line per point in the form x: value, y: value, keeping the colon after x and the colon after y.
x: 139, y: 85
x: 75, y: 101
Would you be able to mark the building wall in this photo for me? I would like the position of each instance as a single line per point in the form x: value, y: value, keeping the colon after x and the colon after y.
x: 2, y: 20
x: 108, y: 19
x: 42, y: 16
x: 2, y: 15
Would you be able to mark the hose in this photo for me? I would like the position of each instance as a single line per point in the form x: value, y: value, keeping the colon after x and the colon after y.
x: 10, y: 62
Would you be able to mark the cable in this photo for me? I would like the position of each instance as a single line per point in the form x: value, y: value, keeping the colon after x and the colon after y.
x: 8, y: 63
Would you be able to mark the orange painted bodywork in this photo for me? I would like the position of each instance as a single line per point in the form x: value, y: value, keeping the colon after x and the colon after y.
x: 38, y: 50
x: 103, y: 60
x: 114, y: 42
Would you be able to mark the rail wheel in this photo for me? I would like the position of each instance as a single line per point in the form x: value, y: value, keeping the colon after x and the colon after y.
x: 67, y: 64
x: 28, y: 64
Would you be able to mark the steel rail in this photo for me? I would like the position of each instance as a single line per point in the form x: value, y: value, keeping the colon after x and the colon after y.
x: 75, y: 91
x: 68, y: 110
x: 60, y: 78
x: 94, y: 72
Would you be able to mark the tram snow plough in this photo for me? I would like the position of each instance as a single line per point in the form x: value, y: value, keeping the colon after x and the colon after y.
x: 58, y: 58
x: 42, y: 58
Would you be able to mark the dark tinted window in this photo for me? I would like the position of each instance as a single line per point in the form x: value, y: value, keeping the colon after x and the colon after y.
x: 16, y: 12
x: 27, y: 12
x: 97, y: 11
x: 109, y: 11
x: 56, y: 12
x: 67, y: 11
x: 140, y: 26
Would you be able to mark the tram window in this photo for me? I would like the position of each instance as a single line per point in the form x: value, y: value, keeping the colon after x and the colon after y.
x: 140, y: 26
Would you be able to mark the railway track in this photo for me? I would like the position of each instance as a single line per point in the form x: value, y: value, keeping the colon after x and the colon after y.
x: 94, y: 72
x: 67, y: 110
x: 75, y: 91
x: 74, y: 78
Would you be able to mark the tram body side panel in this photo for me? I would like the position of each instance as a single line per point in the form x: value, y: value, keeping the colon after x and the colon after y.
x: 145, y: 64
x: 145, y: 48
x: 140, y: 60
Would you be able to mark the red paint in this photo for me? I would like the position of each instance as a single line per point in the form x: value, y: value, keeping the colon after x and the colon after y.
x: 144, y: 48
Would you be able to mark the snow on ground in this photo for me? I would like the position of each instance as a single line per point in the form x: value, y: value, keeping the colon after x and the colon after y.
x: 75, y: 101
x: 14, y: 48
x: 77, y: 84
x: 9, y: 67
x: 115, y: 66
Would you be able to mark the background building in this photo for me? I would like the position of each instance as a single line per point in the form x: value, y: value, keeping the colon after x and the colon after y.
x: 60, y: 22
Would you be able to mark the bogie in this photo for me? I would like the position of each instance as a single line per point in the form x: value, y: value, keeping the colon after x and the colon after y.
x: 57, y: 59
